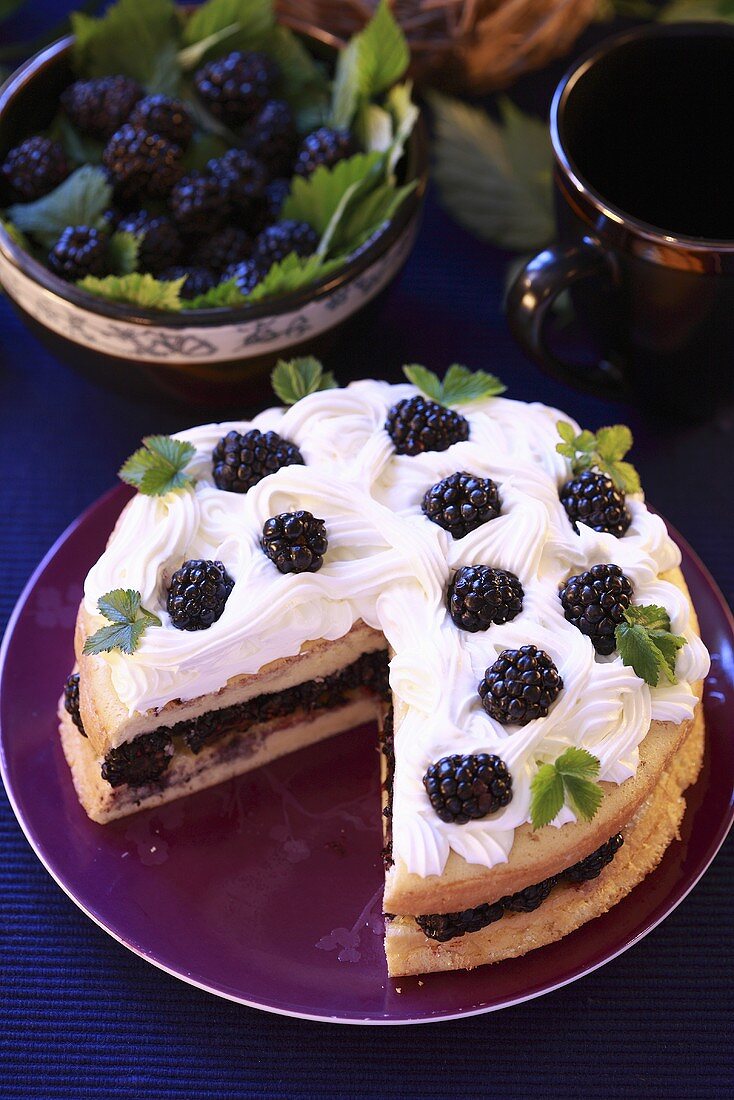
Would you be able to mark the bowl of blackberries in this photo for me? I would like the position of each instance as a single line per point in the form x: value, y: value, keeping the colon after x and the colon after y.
x: 189, y: 194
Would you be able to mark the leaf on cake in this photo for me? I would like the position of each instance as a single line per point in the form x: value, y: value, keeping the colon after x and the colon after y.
x: 159, y: 466
x: 293, y: 379
x: 128, y: 622
x: 458, y: 386
x: 571, y: 778
x: 647, y: 645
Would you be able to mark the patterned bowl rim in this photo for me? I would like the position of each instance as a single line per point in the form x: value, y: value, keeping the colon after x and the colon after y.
x: 416, y: 154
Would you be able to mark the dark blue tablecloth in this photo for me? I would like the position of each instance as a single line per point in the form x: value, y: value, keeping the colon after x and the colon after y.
x: 82, y: 1017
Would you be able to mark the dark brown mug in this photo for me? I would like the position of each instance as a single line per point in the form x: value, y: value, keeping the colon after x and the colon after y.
x: 642, y: 130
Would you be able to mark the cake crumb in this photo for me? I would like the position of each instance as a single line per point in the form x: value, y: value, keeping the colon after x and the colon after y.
x: 398, y: 989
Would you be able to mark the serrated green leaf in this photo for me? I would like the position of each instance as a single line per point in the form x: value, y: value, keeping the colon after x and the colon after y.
x: 566, y: 431
x: 140, y: 289
x: 80, y: 200
x: 225, y: 294
x: 494, y: 179
x: 133, y: 37
x: 461, y: 385
x: 613, y: 442
x: 426, y: 381
x: 636, y: 651
x: 121, y: 605
x: 158, y: 467
x: 578, y: 762
x: 364, y: 217
x: 129, y: 621
x: 372, y: 61
x: 292, y: 273
x: 293, y: 379
x: 650, y: 615
x: 122, y: 252
x: 315, y: 198
x: 546, y: 796
x: 583, y: 795
x: 255, y: 19
x: 624, y: 476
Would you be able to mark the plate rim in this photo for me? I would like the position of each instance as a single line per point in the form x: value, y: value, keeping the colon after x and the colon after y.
x: 580, y: 972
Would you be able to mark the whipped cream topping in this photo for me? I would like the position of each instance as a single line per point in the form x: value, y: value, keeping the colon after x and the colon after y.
x: 388, y: 565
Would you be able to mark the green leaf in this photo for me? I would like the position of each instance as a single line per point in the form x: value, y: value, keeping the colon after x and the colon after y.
x: 223, y: 294
x: 546, y: 795
x: 494, y: 178
x: 646, y: 644
x: 15, y: 234
x: 315, y: 198
x: 461, y: 384
x: 374, y: 128
x: 624, y: 476
x: 122, y: 252
x: 304, y: 84
x: 295, y: 378
x: 190, y: 57
x: 158, y: 467
x: 578, y: 762
x: 565, y: 430
x: 364, y: 218
x: 605, y: 451
x: 133, y: 37
x: 80, y: 200
x: 79, y: 149
x: 583, y: 795
x: 405, y: 114
x: 614, y: 442
x: 137, y: 288
x: 203, y: 148
x: 372, y: 61
x: 254, y: 17
x: 292, y: 273
x: 128, y: 619
x: 426, y: 381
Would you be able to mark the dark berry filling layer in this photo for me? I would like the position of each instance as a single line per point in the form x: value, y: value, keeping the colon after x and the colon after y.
x: 387, y: 744
x: 447, y: 926
x: 145, y: 759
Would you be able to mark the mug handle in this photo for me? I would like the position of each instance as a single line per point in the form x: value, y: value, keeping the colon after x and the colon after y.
x: 529, y: 301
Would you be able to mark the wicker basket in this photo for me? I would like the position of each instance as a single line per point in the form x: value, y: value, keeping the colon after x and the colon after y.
x: 477, y: 45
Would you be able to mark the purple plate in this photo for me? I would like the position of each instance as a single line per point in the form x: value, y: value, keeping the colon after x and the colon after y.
x: 267, y: 889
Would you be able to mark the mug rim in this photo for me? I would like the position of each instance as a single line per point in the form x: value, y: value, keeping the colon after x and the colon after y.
x: 616, y: 221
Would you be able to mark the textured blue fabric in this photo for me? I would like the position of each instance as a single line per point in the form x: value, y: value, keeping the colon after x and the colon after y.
x: 82, y: 1017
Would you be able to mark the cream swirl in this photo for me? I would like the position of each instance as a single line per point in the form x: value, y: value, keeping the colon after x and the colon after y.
x: 389, y: 566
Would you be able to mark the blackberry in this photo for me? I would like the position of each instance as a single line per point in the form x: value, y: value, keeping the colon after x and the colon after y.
x: 198, y: 280
x: 595, y: 602
x: 295, y: 541
x: 138, y: 762
x: 277, y: 241
x: 467, y: 788
x: 520, y: 686
x: 225, y: 248
x: 241, y: 176
x: 199, y: 203
x: 234, y: 88
x: 247, y: 274
x: 417, y: 424
x: 71, y: 701
x: 99, y: 107
x: 276, y: 192
x: 323, y: 148
x: 593, y: 865
x: 447, y: 926
x: 35, y: 167
x: 79, y: 251
x: 593, y: 498
x: 160, y: 242
x: 197, y: 594
x: 531, y: 898
x: 273, y: 137
x: 240, y: 461
x: 141, y: 164
x: 170, y: 118
x: 461, y: 503
x: 479, y: 596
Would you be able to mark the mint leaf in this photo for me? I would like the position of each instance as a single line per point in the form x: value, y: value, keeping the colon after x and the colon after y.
x: 315, y: 198
x: 158, y: 467
x: 254, y: 19
x: 604, y: 451
x: 372, y: 61
x: 566, y: 432
x: 80, y: 200
x: 547, y: 796
x: 122, y: 252
x: 137, y: 38
x: 458, y: 386
x: 292, y: 273
x: 293, y: 379
x: 570, y: 779
x: 426, y: 381
x: 224, y: 294
x: 646, y: 644
x: 128, y: 622
x: 138, y: 288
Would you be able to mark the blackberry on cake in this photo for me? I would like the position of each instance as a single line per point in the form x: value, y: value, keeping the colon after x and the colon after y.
x: 468, y: 788
x: 226, y: 248
x: 323, y: 149
x: 520, y: 686
x: 198, y: 280
x: 71, y: 701
x: 595, y: 602
x: 242, y: 178
x: 138, y: 762
x: 99, y: 107
x: 199, y: 203
x: 81, y: 250
x: 234, y: 88
x: 272, y: 137
x: 417, y: 424
x: 141, y: 164
x: 277, y: 241
x: 593, y: 498
x: 295, y: 541
x: 462, y: 502
x: 198, y: 593
x: 241, y: 461
x: 35, y: 167
x: 591, y: 867
x: 479, y: 596
x: 160, y: 244
x: 160, y: 114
